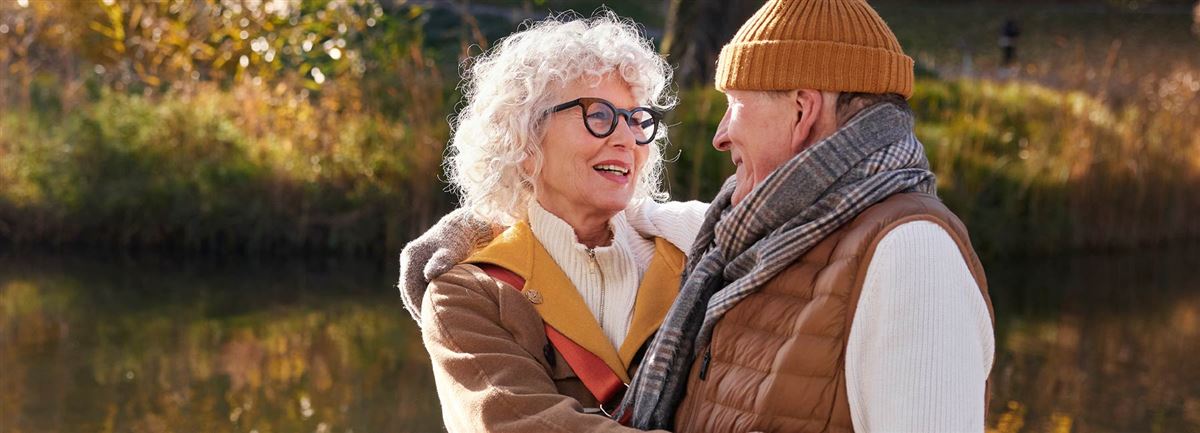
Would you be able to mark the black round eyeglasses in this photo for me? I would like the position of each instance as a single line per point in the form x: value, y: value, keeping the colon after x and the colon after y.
x: 600, y: 118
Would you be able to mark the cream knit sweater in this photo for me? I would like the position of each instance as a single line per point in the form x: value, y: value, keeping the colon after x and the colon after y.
x: 921, y: 344
x: 606, y: 277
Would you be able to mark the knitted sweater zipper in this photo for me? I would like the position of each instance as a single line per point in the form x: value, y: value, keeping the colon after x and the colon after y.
x: 596, y: 268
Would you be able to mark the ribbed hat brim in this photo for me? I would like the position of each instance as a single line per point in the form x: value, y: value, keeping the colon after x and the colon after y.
x: 818, y: 65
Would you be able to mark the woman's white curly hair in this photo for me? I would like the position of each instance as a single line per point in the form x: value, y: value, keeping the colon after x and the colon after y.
x: 509, y: 88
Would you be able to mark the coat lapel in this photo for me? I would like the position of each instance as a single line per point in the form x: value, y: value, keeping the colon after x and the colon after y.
x: 518, y: 250
x: 660, y: 286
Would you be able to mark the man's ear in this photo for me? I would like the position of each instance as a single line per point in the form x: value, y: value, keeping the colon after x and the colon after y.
x: 810, y: 107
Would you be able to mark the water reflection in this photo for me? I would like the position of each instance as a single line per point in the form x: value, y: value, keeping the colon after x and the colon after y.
x: 1086, y: 344
x: 1097, y: 344
x: 109, y: 347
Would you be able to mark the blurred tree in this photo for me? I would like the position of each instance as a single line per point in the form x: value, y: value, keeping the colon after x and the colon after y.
x: 1196, y: 19
x: 326, y: 118
x: 154, y: 47
x: 228, y: 40
x: 696, y: 31
x: 1141, y: 4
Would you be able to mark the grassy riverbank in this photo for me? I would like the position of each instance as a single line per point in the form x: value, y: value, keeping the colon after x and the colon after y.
x: 321, y: 129
x: 1029, y: 168
x: 213, y: 172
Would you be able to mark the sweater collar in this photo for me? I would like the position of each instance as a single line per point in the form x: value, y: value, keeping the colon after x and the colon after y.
x: 552, y: 230
x: 518, y: 250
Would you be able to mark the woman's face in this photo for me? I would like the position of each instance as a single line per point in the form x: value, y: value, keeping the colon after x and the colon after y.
x: 582, y: 175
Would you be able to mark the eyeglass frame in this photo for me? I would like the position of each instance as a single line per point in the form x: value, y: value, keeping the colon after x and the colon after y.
x: 586, y: 102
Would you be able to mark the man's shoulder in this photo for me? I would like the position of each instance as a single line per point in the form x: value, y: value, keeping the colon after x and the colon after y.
x: 916, y: 225
x: 907, y: 205
x: 856, y: 241
x: 874, y: 223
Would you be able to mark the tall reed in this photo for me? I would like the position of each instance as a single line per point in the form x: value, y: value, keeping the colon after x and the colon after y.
x: 119, y: 142
x: 1029, y: 168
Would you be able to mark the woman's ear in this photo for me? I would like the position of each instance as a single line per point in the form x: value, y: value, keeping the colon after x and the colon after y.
x: 809, y: 105
x: 529, y: 165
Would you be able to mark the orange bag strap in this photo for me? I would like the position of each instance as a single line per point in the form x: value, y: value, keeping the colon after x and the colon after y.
x: 600, y: 380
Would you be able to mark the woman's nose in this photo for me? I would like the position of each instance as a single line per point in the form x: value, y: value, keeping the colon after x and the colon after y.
x: 623, y: 136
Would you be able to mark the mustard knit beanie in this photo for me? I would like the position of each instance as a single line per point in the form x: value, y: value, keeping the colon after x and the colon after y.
x: 835, y: 45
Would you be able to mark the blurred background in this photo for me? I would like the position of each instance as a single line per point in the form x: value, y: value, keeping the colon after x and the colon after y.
x: 202, y: 201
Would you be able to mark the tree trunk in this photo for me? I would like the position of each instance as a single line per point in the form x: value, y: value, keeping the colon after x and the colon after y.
x: 696, y: 31
x: 1196, y: 19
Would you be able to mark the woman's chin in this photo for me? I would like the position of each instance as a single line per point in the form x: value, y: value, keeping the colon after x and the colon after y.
x: 611, y: 207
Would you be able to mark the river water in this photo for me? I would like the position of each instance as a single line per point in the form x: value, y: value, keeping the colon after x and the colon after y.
x: 1103, y: 343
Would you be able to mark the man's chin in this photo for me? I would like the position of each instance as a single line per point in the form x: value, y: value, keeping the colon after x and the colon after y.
x: 743, y: 187
x: 739, y: 193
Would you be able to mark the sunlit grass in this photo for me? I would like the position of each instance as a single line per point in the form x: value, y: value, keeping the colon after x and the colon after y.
x: 1093, y: 151
x: 1030, y: 169
x: 214, y: 170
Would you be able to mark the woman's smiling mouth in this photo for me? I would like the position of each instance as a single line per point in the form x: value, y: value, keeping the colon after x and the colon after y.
x: 613, y: 170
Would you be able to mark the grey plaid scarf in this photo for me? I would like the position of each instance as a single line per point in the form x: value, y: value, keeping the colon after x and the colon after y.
x: 740, y: 248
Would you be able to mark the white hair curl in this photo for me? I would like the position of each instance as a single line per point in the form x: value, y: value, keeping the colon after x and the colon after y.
x: 508, y: 89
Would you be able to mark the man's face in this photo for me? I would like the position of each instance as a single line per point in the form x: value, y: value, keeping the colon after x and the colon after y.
x: 758, y: 132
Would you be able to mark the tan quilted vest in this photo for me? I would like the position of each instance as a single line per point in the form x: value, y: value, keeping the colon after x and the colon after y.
x: 777, y: 359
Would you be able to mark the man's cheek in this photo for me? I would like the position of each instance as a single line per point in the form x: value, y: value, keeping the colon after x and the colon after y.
x: 743, y: 175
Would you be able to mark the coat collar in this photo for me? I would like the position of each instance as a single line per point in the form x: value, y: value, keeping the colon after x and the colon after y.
x: 518, y: 250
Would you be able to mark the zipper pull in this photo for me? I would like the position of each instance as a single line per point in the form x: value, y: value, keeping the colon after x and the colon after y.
x: 704, y: 364
x: 592, y: 266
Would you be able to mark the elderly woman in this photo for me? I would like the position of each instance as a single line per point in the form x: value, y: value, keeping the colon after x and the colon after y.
x: 541, y: 328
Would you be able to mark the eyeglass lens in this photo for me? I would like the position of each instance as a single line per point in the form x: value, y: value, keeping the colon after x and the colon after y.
x: 601, y: 120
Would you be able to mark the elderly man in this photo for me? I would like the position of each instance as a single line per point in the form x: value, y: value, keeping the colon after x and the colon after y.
x: 828, y: 288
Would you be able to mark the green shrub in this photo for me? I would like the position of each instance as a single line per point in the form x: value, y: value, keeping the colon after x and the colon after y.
x: 191, y: 173
x: 1030, y: 169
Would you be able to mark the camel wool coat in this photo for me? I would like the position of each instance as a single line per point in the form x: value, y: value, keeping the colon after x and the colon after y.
x: 487, y: 342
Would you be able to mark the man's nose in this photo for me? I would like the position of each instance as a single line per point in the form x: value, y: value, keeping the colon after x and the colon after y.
x: 721, y: 139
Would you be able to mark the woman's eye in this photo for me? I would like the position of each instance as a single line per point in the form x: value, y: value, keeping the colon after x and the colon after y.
x: 599, y: 116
